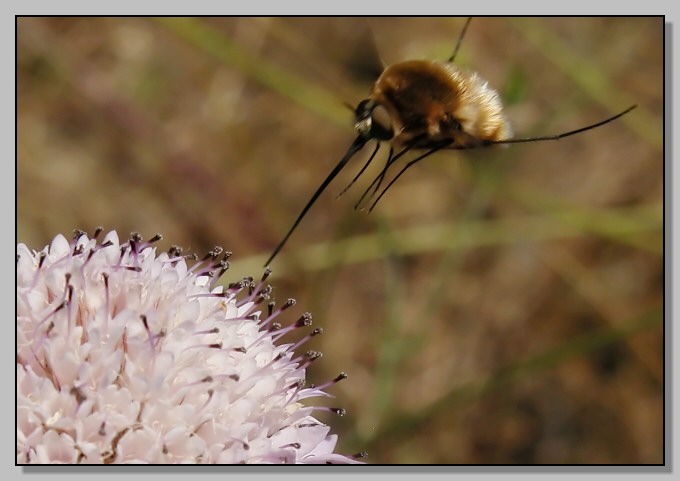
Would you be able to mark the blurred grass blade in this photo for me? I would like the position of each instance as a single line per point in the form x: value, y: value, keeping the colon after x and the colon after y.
x: 591, y: 79
x: 209, y: 39
x: 632, y: 226
x: 404, y: 424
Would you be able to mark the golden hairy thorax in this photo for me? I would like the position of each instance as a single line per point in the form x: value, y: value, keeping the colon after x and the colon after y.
x: 437, y: 101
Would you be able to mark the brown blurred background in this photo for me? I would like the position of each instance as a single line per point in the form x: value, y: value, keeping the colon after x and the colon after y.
x: 498, y: 306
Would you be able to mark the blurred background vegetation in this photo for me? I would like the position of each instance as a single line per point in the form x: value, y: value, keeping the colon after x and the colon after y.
x: 498, y: 306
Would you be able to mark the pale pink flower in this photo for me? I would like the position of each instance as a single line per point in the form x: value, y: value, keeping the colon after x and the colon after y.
x: 125, y: 355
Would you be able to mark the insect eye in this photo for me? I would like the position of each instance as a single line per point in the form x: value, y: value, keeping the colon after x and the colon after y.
x: 362, y: 118
x: 381, y: 123
x: 372, y: 120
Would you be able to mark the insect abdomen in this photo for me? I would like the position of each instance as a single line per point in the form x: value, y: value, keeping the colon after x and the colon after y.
x: 439, y: 101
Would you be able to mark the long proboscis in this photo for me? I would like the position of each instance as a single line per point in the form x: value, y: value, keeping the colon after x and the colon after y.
x: 356, y: 146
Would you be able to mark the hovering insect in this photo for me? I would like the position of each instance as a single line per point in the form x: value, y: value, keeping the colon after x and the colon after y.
x: 427, y: 106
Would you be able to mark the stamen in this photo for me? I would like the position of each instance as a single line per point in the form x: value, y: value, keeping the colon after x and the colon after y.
x: 214, y: 330
x: 38, y: 271
x: 323, y: 387
x: 155, y: 238
x: 339, y: 411
x: 296, y: 387
x: 245, y: 445
x: 287, y: 305
x: 78, y: 394
x: 276, y: 326
x: 213, y: 253
x: 266, y: 274
x: 108, y: 298
x: 307, y: 358
x: 309, y: 425
x: 67, y: 296
x: 294, y: 347
x: 110, y: 456
x: 291, y: 445
x: 77, y: 234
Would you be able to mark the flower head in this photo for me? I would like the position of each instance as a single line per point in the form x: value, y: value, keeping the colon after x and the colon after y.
x: 125, y: 355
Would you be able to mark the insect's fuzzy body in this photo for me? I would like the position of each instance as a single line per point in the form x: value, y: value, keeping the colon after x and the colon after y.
x: 438, y: 101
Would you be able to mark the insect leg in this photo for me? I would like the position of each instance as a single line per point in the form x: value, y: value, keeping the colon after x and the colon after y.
x: 409, y: 164
x: 377, y: 146
x: 562, y: 135
x: 377, y: 182
x: 460, y: 39
x: 377, y: 178
x: 391, y: 160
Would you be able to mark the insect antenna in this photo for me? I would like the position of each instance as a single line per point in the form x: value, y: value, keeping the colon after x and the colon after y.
x: 460, y: 39
x: 375, y: 151
x: 356, y: 146
x: 559, y: 136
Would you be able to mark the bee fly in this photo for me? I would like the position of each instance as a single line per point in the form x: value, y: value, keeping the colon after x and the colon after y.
x: 426, y: 105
